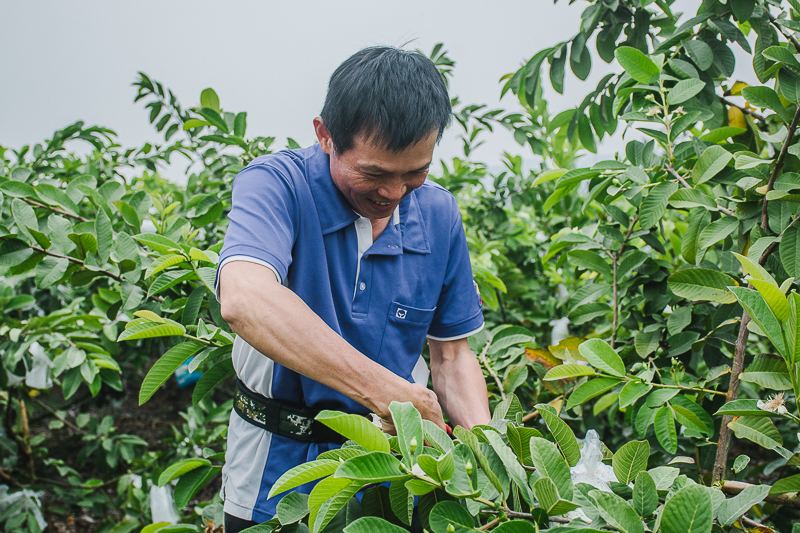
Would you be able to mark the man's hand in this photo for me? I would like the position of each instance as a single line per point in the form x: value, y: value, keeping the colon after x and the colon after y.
x: 425, y: 401
x: 458, y: 380
x: 277, y: 323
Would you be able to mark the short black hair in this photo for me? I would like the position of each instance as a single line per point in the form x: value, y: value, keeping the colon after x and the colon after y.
x: 394, y: 97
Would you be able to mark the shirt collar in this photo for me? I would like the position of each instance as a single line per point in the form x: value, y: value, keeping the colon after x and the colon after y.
x: 335, y: 212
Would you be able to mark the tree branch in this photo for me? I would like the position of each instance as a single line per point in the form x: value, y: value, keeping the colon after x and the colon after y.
x: 744, y: 110
x: 779, y: 166
x: 492, y: 372
x: 791, y: 38
x: 54, y: 209
x: 721, y: 462
x: 735, y: 487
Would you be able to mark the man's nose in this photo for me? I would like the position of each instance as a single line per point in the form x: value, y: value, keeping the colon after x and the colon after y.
x: 393, y: 190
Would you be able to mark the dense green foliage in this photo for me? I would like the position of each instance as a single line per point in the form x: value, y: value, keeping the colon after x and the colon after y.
x: 675, y: 263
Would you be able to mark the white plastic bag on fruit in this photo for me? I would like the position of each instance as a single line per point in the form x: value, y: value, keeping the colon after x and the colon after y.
x: 162, y: 505
x: 38, y: 377
x: 590, y: 468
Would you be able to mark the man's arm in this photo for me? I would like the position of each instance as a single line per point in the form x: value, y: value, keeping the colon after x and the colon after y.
x: 277, y: 323
x: 458, y: 381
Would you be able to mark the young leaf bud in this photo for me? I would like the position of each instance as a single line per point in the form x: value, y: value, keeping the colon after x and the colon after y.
x: 469, y: 468
x: 412, y: 446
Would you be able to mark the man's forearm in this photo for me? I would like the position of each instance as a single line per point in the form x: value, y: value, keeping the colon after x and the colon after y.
x: 277, y: 323
x: 458, y: 382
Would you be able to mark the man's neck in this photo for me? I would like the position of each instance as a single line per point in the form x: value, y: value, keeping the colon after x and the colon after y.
x: 378, y: 225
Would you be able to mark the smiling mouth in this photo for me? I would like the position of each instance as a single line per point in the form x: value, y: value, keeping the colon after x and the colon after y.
x: 381, y: 204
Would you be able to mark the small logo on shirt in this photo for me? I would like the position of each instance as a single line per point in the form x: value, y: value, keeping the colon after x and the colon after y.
x: 401, y: 313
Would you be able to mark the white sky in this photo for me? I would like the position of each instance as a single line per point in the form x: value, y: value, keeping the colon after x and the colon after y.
x: 65, y: 61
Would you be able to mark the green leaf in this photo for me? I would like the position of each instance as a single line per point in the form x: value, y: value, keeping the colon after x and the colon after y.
x: 55, y: 196
x: 792, y: 331
x: 372, y: 524
x: 165, y: 367
x: 590, y: 260
x: 789, y: 250
x: 436, y: 437
x: 639, y: 66
x: 547, y: 494
x: 702, y: 284
x: 688, y: 511
x: 602, y: 356
x: 49, y: 271
x: 713, y: 160
x: 129, y: 214
x: 147, y: 330
x: 755, y: 270
x: 550, y: 463
x: 211, y: 378
x: 447, y: 513
x: 567, y: 371
x: 157, y: 243
x: 629, y: 460
x: 402, y: 502
x: 631, y: 392
x: 209, y: 98
x: 768, y: 372
x: 740, y: 463
x: 664, y: 426
x: 766, y: 98
x: 760, y: 430
x: 698, y: 220
x: 180, y: 468
x: 214, y: 118
x: 408, y: 423
x: 742, y: 9
x: 617, y: 512
x: 733, y: 508
x: 24, y: 217
x: 327, y: 498
x: 471, y: 441
x: 512, y: 465
x: 762, y: 315
x: 167, y: 280
x: 18, y: 189
x: 700, y: 52
x: 190, y: 484
x: 717, y: 231
x: 774, y: 297
x: 787, y: 484
x: 684, y: 90
x: 356, y: 428
x: 163, y: 262
x: 374, y: 467
x: 655, y: 205
x: 303, y: 474
x: 691, y: 198
x: 645, y: 497
x: 748, y: 408
x: 591, y: 389
x: 564, y: 437
x: 105, y: 235
x: 718, y: 135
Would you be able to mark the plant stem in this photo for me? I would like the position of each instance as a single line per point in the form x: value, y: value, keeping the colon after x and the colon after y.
x: 779, y: 166
x: 735, y: 487
x: 55, y: 414
x: 616, y: 310
x: 54, y: 209
x: 490, y: 524
x: 487, y: 365
x: 720, y: 464
x: 688, y: 389
x: 744, y: 110
x: 791, y: 38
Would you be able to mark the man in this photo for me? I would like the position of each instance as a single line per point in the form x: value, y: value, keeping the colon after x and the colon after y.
x: 338, y: 262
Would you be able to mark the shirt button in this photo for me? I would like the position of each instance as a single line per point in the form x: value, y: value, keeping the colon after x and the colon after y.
x: 362, y: 286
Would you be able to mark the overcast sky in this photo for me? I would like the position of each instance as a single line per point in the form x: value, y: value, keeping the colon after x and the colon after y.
x: 65, y: 61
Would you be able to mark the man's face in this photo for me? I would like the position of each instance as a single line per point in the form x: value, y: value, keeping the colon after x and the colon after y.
x: 373, y: 179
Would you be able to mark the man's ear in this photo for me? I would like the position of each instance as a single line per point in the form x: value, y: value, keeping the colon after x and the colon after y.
x: 324, y: 138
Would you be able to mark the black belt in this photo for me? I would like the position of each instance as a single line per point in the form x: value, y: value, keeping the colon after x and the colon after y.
x: 282, y: 418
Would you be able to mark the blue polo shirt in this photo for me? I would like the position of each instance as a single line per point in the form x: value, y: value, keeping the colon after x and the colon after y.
x: 383, y: 297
